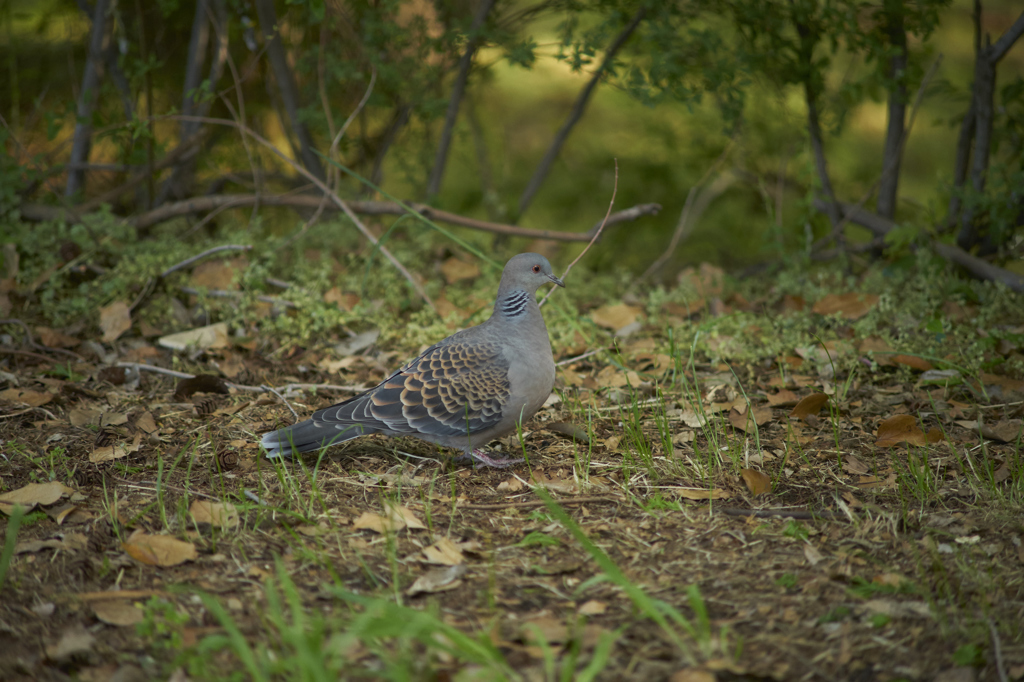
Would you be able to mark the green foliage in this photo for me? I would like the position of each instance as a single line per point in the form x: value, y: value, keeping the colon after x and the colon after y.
x: 970, y: 655
x: 795, y: 530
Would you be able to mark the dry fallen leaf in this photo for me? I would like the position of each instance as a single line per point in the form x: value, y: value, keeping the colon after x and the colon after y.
x: 115, y: 319
x: 511, y: 485
x: 809, y: 405
x: 159, y: 550
x: 615, y: 317
x: 912, y: 361
x: 438, y: 580
x: 784, y: 398
x: 1006, y: 431
x: 397, y: 518
x: 32, y: 494
x: 757, y: 482
x: 851, y: 306
x: 901, y: 428
x: 853, y: 465
x: 593, y: 608
x: 219, y: 514
x: 444, y: 552
x: 210, y: 336
x: 744, y: 422
x: 455, y: 269
x: 146, y: 422
x: 108, y: 453
x: 117, y: 612
x: 344, y: 300
x: 26, y: 396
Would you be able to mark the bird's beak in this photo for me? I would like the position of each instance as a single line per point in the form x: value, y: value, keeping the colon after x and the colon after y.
x: 556, y: 281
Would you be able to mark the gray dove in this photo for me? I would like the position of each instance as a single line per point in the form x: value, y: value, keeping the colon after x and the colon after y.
x: 475, y: 386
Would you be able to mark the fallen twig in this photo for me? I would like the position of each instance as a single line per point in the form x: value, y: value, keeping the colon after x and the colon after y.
x: 540, y: 503
x: 282, y: 399
x: 241, y: 387
x: 801, y: 514
x: 209, y: 252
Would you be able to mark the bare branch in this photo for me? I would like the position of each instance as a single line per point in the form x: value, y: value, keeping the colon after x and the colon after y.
x: 216, y: 202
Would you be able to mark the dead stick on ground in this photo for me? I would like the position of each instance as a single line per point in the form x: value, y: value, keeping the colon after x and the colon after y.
x: 615, y: 189
x: 790, y: 513
x: 241, y: 387
x: 282, y: 399
x: 539, y: 503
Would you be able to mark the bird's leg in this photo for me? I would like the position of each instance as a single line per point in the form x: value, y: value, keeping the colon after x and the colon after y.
x: 483, y: 457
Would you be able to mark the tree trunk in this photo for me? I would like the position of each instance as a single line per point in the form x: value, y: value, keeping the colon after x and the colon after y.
x: 82, y: 141
x: 458, y: 89
x: 286, y: 84
x: 893, y: 152
x: 544, y: 167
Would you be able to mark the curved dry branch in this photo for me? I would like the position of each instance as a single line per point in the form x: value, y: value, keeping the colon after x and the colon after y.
x: 211, y: 203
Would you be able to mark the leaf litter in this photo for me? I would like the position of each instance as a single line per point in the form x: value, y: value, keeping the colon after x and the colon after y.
x: 746, y: 495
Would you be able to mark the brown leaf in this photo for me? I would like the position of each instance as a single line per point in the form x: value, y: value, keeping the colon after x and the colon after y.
x: 55, y: 339
x: 913, y: 362
x: 511, y: 485
x: 26, y: 396
x: 344, y: 300
x: 117, y: 612
x: 692, y: 675
x: 592, y: 608
x: 809, y: 405
x: 146, y: 422
x: 747, y: 422
x: 899, y: 429
x: 107, y: 453
x: 757, y: 482
x: 396, y: 519
x: 444, y: 552
x: 32, y: 494
x: 615, y: 317
x: 159, y: 550
x: 219, y: 514
x: 115, y: 319
x: 455, y: 269
x: 210, y: 336
x: 685, y: 309
x: 438, y: 580
x: 853, y: 465
x: 877, y: 349
x: 218, y: 274
x: 1005, y: 431
x: 851, y: 306
x: 784, y: 398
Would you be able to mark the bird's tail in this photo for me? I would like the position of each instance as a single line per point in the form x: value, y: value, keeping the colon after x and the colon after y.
x: 309, y: 435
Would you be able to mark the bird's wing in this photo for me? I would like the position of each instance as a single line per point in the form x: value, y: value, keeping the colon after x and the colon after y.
x: 455, y: 388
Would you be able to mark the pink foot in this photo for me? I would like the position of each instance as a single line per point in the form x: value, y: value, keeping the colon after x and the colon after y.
x: 481, y: 457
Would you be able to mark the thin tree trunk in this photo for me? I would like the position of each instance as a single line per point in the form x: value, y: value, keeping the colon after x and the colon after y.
x: 286, y: 85
x: 983, y: 107
x: 544, y: 167
x: 806, y: 54
x: 458, y: 89
x: 892, y: 154
x: 390, y: 135
x: 193, y: 102
x: 960, y: 166
x: 82, y: 141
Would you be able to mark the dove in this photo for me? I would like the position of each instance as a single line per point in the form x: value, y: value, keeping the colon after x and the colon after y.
x: 473, y: 387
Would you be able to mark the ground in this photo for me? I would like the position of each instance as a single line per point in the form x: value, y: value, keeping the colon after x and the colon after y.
x: 676, y: 519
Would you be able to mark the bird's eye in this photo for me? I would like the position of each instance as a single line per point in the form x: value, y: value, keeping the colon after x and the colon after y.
x: 536, y: 268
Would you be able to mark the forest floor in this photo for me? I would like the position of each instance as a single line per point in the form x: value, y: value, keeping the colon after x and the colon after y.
x: 679, y: 517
